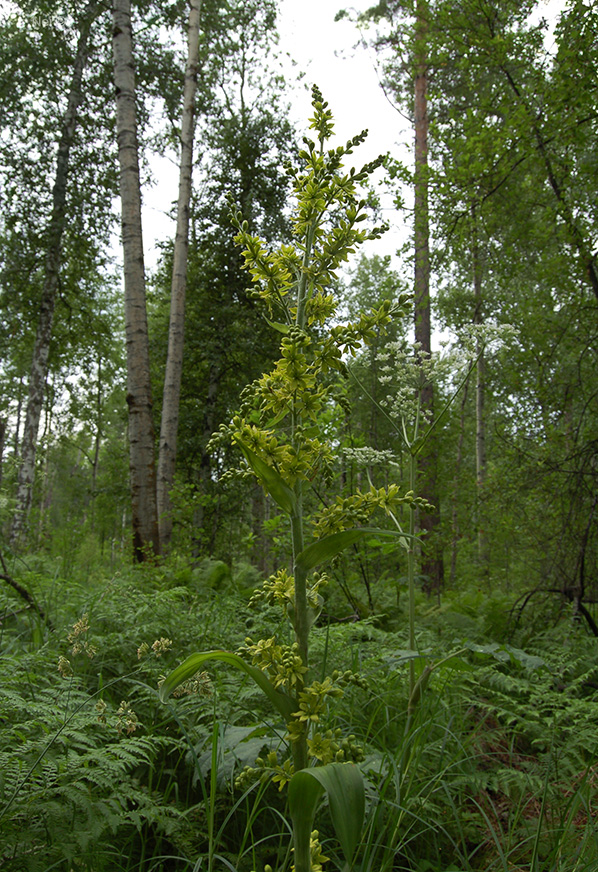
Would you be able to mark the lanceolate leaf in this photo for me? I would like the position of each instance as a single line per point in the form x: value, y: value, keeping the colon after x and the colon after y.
x: 343, y: 783
x: 328, y: 547
x: 273, y: 482
x: 283, y: 703
x: 506, y: 654
x: 276, y: 325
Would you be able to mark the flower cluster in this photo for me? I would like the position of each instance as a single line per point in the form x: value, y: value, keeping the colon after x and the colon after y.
x: 126, y: 719
x: 64, y: 667
x: 367, y: 456
x: 355, y: 510
x: 279, y: 589
x: 282, y: 663
x: 101, y: 710
x: 313, y: 702
x: 317, y: 857
x: 78, y: 638
x: 159, y: 647
x: 267, y: 768
x: 333, y: 747
x: 199, y: 684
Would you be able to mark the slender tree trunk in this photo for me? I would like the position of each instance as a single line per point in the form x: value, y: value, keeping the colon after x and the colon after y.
x: 480, y: 456
x: 456, y: 485
x: 2, y: 438
x: 16, y: 441
x: 204, y: 517
x: 174, y: 360
x: 41, y: 348
x: 97, y: 443
x: 45, y: 481
x: 480, y: 438
x: 432, y: 563
x: 139, y: 399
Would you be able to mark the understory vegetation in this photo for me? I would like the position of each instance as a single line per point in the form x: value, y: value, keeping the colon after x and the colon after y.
x: 497, y: 770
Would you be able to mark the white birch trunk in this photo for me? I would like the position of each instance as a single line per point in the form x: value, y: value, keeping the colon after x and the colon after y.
x: 480, y: 430
x: 174, y: 360
x: 139, y: 400
x: 41, y: 348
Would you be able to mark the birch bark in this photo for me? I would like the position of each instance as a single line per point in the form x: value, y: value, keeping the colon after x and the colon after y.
x: 139, y: 399
x: 480, y: 397
x: 41, y: 348
x: 174, y: 360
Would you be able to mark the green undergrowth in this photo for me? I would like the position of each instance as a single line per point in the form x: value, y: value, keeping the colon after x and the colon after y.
x: 494, y: 768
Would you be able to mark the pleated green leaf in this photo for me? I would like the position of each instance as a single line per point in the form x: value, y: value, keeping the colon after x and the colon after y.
x: 328, y: 547
x: 272, y: 481
x: 343, y: 782
x: 282, y: 703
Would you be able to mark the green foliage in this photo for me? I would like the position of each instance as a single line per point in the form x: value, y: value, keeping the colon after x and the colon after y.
x: 346, y: 796
x: 89, y: 771
x: 471, y: 720
x: 500, y: 753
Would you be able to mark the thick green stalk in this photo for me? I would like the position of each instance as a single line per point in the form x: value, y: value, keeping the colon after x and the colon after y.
x: 302, y: 851
x: 301, y: 621
x: 302, y: 287
x: 301, y: 835
x: 411, y: 571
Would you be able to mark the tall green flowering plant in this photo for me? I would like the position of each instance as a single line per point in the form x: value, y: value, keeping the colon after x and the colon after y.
x: 280, y: 434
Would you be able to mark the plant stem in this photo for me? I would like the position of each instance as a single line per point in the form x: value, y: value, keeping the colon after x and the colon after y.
x: 302, y: 851
x: 301, y: 623
x: 302, y: 287
x: 411, y: 571
x: 301, y: 835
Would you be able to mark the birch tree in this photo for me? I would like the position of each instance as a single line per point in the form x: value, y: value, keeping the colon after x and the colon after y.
x: 53, y: 254
x: 174, y: 360
x: 139, y: 397
x: 246, y: 139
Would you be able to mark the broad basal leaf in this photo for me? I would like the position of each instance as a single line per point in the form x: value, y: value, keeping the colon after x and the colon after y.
x: 343, y: 783
x: 283, y: 703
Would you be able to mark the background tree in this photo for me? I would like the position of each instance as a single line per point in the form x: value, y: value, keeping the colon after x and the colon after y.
x: 503, y: 160
x: 174, y: 359
x: 52, y: 257
x: 405, y: 40
x: 139, y: 399
x: 246, y: 140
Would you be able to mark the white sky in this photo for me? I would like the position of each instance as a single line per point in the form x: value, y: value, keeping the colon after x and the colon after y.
x: 345, y: 74
x: 345, y: 71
